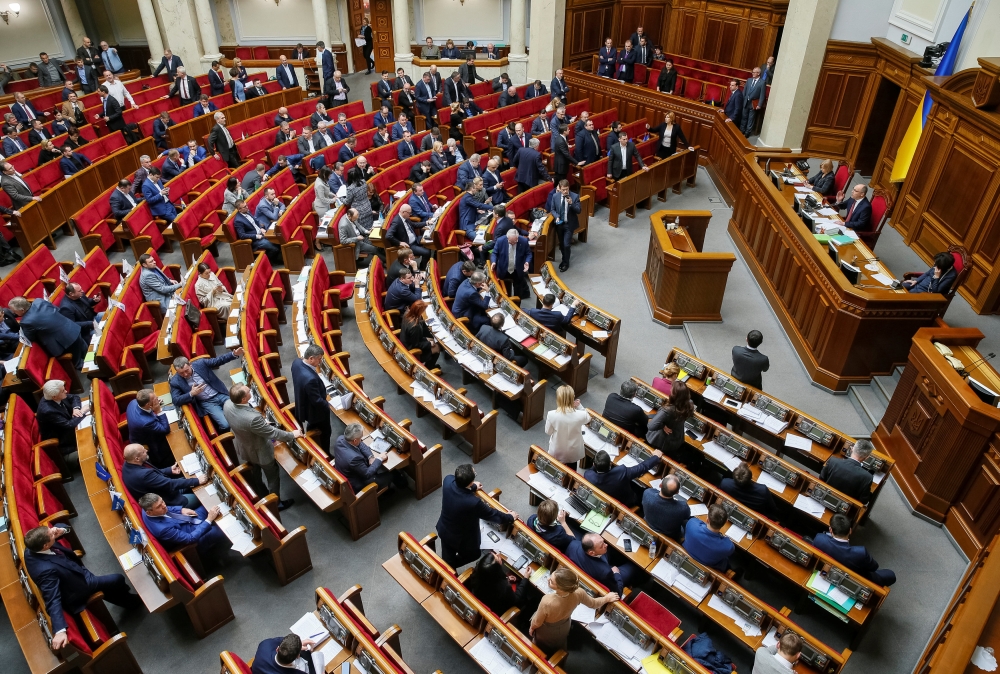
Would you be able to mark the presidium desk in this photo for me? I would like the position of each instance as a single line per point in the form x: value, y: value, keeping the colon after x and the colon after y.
x: 844, y: 333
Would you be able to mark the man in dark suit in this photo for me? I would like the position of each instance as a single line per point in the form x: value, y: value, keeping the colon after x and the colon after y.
x: 203, y: 107
x: 176, y: 527
x: 58, y: 415
x: 324, y: 60
x: 749, y: 363
x: 79, y: 308
x: 753, y: 100
x: 185, y: 87
x: 516, y: 266
x: 171, y: 167
x: 401, y: 79
x: 255, y: 90
x: 616, y: 480
x: 587, y: 146
x: 767, y: 70
x: 607, y: 56
x: 455, y: 89
x: 561, y: 159
x: 148, y: 425
x: 122, y: 200
x: 508, y: 97
x: 300, y: 53
x: 468, y: 171
x: 141, y: 478
x: 359, y: 464
x: 516, y: 142
x: 65, y: 583
x: 535, y: 89
x: 706, y: 543
x: 458, y: 273
x: 406, y: 148
x: 644, y: 52
x: 734, y: 106
x: 402, y: 292
x: 216, y: 79
x: 346, y: 152
x: 470, y: 303
x: 288, y: 655
x: 221, y: 144
x: 493, y: 336
x: 848, y: 475
x: 285, y: 73
x: 170, y: 63
x: 530, y: 169
x: 621, y: 411
x: 249, y: 229
x: 385, y: 89
x: 667, y: 81
x: 24, y: 111
x: 12, y: 143
x: 37, y: 133
x: 751, y: 494
x: 111, y: 110
x: 591, y: 555
x: 342, y: 129
x: 565, y: 208
x: 406, y: 234
x: 311, y: 409
x: 625, y: 67
x: 558, y: 87
x: 837, y: 544
x: 620, y: 159
x: 467, y: 71
x: 553, y: 319
x: 426, y: 99
x: 665, y: 513
x: 42, y: 324
x: 461, y: 510
x: 196, y: 383
x: 859, y: 209
x: 72, y: 162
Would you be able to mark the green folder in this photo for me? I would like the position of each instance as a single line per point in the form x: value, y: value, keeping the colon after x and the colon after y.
x: 595, y: 522
x: 815, y: 582
x: 822, y: 238
x: 238, y: 378
x: 89, y: 358
x: 841, y: 239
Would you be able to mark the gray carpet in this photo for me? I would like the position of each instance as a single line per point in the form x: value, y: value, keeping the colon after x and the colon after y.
x: 927, y: 565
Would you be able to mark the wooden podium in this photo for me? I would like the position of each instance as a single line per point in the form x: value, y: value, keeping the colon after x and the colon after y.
x: 682, y: 283
x: 944, y: 439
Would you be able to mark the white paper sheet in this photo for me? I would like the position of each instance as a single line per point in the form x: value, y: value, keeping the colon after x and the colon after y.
x: 719, y: 454
x: 984, y: 659
x: 771, y: 482
x: 542, y: 484
x: 309, y: 627
x: 809, y: 505
x: 736, y: 533
x: 722, y: 607
x: 699, y: 509
x: 798, y: 442
x: 713, y: 393
x: 691, y: 589
x: 584, y: 614
x: 665, y: 572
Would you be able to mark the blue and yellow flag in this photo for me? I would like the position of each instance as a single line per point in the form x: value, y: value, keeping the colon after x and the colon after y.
x: 907, y: 148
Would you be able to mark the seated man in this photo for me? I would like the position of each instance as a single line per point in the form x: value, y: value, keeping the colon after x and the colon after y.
x: 458, y: 273
x: 405, y: 233
x: 493, y: 336
x: 419, y: 203
x: 288, y: 655
x: 172, y: 166
x: 403, y: 292
x: 551, y: 318
x: 406, y: 149
x: 72, y: 162
x: 511, y: 259
x: 346, y: 152
x: 402, y: 126
x: 706, y: 543
x: 148, y: 425
x: 191, y: 153
x: 359, y: 464
x: 616, y: 480
x: 751, y: 494
x: 122, y: 200
x: 859, y: 209
x: 937, y: 279
x: 269, y: 209
x: 157, y: 196
x: 470, y: 303
x: 508, y: 97
x: 837, y: 544
x: 248, y: 229
x: 65, y: 583
x: 622, y: 412
x: 142, y: 478
x: 848, y: 475
x: 550, y: 524
x: 779, y: 658
x: 196, y: 382
x: 79, y: 308
x: 405, y: 259
x: 58, y: 415
x: 663, y: 511
x: 176, y: 527
x: 591, y: 555
x: 155, y: 285
x: 343, y: 128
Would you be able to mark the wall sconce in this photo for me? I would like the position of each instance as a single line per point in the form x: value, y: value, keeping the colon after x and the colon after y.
x: 14, y: 7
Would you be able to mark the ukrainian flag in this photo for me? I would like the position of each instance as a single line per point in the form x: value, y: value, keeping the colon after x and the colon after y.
x: 907, y: 148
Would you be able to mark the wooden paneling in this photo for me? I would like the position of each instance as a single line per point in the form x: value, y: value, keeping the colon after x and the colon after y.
x: 381, y: 18
x: 740, y: 34
x: 588, y: 23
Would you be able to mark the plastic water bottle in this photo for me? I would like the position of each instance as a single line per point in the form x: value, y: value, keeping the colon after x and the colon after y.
x: 652, y: 548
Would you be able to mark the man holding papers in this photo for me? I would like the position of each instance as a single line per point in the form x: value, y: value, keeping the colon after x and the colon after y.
x: 286, y: 655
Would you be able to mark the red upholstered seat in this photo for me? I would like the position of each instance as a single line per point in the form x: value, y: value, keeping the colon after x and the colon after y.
x: 655, y: 614
x: 692, y: 89
x: 842, y: 177
x: 241, y: 666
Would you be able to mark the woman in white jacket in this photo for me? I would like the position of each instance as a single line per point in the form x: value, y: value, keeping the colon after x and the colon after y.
x: 564, y: 425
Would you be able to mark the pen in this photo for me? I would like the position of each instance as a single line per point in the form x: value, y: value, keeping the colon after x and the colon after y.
x: 318, y: 634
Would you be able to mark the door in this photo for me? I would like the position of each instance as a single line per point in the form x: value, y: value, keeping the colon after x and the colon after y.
x: 358, y: 10
x: 380, y: 13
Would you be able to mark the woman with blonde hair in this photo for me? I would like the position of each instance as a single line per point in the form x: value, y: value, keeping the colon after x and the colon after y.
x: 439, y: 162
x: 564, y: 426
x: 455, y: 123
x: 665, y: 381
x: 824, y: 180
x: 551, y: 622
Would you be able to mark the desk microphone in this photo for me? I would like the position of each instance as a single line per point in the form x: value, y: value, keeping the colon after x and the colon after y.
x: 976, y: 364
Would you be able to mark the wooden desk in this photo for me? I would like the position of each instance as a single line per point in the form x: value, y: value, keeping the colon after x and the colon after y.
x: 682, y: 283
x: 945, y: 439
x: 454, y: 64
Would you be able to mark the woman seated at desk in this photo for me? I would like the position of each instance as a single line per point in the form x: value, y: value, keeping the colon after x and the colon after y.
x: 211, y: 292
x: 491, y: 584
x: 665, y: 380
x: 415, y: 334
x: 824, y: 181
x: 937, y: 279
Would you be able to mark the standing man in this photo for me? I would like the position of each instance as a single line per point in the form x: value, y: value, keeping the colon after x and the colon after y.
x: 512, y: 259
x: 620, y: 161
x: 558, y: 87
x: 111, y: 110
x: 753, y: 95
x: 467, y: 71
x: 426, y: 100
x: 42, y: 324
x: 285, y: 73
x: 14, y: 185
x: 565, y: 208
x: 216, y: 79
x: 528, y: 162
x: 324, y: 61
x: 561, y: 159
x: 749, y: 363
x: 461, y: 510
x: 58, y: 415
x: 734, y: 106
x: 185, y: 87
x: 767, y: 70
x: 90, y: 54
x: 117, y: 90
x: 255, y: 441
x: 311, y: 409
x: 148, y: 425
x: 220, y: 142
x: 196, y: 382
x: 50, y: 72
x: 79, y: 308
x: 169, y: 62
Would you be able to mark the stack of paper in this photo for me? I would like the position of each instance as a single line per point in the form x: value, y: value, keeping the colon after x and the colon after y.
x: 232, y: 342
x: 641, y: 403
x: 665, y: 571
x: 771, y: 482
x: 722, y: 607
x: 129, y: 559
x: 540, y: 579
x: 692, y: 589
x: 241, y: 540
x: 773, y: 424
x: 612, y: 638
x: 699, y: 509
x: 190, y: 463
x: 491, y: 660
x: 713, y: 393
x: 584, y: 614
x: 722, y: 456
x: 751, y: 413
x: 809, y: 504
x: 883, y: 279
x: 87, y: 421
x: 826, y: 591
x: 420, y: 392
x: 309, y: 627
x: 308, y: 481
x: 798, y: 442
x: 542, y: 485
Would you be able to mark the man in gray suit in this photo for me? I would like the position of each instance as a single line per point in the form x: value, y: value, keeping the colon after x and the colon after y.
x: 753, y: 100
x: 748, y: 362
x: 155, y: 285
x: 16, y: 188
x: 254, y: 441
x: 780, y: 658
